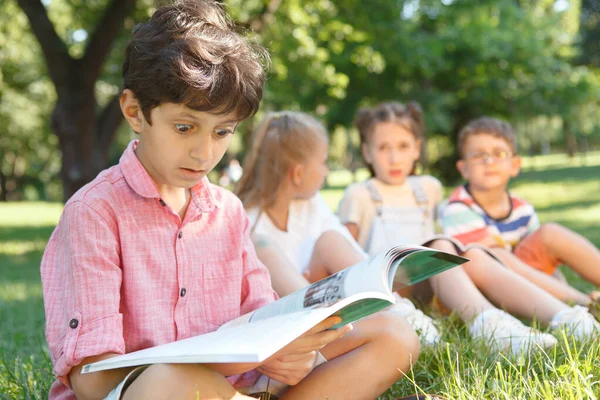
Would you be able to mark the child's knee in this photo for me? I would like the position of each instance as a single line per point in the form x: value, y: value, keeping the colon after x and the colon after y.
x: 397, y: 337
x: 443, y: 245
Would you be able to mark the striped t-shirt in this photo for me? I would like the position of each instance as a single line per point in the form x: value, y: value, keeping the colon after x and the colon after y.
x: 462, y: 218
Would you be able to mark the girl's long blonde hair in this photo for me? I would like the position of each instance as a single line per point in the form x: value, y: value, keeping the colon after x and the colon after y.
x: 282, y: 140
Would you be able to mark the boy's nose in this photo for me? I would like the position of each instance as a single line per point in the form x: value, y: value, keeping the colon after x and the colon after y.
x: 202, y: 150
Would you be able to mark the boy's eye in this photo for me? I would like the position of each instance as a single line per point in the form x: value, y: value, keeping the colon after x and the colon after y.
x: 183, y: 128
x: 223, y: 132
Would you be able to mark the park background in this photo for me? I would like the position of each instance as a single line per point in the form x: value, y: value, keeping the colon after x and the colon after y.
x: 535, y: 63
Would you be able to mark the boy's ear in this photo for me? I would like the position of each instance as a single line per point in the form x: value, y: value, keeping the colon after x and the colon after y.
x: 515, y: 166
x: 461, y: 166
x: 132, y: 111
x: 364, y: 148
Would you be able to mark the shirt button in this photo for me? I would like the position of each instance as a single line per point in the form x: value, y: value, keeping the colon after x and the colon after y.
x: 182, y: 292
x: 162, y: 202
x: 73, y: 323
x: 180, y: 234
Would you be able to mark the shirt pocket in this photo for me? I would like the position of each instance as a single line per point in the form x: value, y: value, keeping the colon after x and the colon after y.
x: 222, y: 292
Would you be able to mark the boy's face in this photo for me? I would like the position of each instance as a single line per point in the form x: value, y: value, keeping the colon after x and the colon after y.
x: 488, y: 162
x: 392, y: 151
x: 182, y: 145
x: 313, y: 172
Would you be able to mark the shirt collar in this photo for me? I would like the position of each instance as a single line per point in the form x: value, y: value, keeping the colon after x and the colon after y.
x: 140, y: 182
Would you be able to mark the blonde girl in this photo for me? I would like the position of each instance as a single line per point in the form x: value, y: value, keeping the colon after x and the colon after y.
x: 283, y: 171
x: 395, y: 207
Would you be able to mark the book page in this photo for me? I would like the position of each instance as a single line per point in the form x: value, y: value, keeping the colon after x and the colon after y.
x: 239, y: 344
x: 419, y: 265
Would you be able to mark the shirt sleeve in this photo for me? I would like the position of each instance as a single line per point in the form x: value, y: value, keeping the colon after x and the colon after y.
x: 256, y: 283
x: 461, y: 222
x: 352, y: 206
x: 81, y: 278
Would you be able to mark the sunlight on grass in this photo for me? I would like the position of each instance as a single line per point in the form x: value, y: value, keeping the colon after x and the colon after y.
x: 18, y: 291
x: 30, y: 214
x: 15, y: 248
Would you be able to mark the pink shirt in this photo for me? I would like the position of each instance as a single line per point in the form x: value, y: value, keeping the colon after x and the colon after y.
x: 123, y: 272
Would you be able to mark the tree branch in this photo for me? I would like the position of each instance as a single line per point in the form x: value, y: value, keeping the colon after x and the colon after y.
x: 101, y: 40
x: 54, y: 49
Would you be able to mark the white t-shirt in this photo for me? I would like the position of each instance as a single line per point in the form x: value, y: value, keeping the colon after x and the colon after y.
x: 357, y: 205
x: 307, y: 221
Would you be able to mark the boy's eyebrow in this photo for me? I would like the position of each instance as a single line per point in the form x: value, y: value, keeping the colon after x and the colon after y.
x: 195, y: 118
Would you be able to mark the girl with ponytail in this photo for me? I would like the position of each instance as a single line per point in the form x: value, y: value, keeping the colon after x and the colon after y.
x: 298, y: 238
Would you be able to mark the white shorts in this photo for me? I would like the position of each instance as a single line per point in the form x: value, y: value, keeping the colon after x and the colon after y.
x: 262, y: 385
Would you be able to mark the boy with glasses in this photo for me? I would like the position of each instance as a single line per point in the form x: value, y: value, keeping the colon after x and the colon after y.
x: 484, y: 211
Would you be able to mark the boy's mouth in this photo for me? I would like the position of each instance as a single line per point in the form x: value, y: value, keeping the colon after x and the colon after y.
x: 192, y: 173
x: 396, y: 172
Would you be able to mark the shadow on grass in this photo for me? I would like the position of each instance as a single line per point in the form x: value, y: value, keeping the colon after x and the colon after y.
x: 568, y: 206
x: 25, y: 233
x: 560, y: 174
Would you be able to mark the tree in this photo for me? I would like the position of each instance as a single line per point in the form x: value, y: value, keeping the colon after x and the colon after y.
x: 85, y: 132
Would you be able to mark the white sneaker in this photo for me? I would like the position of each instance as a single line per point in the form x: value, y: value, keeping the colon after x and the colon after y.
x: 507, y: 333
x: 577, y: 320
x: 420, y: 322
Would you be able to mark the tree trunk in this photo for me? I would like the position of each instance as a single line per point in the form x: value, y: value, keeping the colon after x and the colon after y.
x: 84, y: 135
x: 570, y: 139
x: 3, y: 189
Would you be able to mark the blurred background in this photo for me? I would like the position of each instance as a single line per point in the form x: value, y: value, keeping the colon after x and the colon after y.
x: 533, y: 62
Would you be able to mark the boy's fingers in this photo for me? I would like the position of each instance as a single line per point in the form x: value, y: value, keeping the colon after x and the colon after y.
x: 318, y: 340
x: 324, y: 325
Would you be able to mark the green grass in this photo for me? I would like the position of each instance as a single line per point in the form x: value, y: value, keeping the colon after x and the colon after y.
x: 563, y: 191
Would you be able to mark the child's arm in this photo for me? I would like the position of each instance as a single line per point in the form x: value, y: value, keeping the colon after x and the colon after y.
x: 284, y: 277
x: 353, y: 229
x: 81, y: 277
x: 351, y: 209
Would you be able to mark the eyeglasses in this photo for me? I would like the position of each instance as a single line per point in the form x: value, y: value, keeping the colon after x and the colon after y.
x: 484, y: 157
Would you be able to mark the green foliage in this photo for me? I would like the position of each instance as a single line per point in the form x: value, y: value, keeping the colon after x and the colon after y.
x: 526, y: 61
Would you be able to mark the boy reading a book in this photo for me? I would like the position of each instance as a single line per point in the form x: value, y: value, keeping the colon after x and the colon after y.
x: 484, y: 211
x: 150, y: 252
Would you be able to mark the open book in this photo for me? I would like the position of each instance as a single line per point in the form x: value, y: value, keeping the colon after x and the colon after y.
x: 352, y: 294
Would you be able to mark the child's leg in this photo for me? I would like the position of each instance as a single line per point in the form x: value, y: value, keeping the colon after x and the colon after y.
x: 556, y: 287
x: 364, y: 363
x: 332, y: 253
x: 181, y: 381
x: 509, y: 290
x: 572, y: 249
x: 456, y: 290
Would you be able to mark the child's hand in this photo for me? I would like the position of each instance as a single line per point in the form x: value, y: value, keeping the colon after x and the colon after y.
x: 296, y: 360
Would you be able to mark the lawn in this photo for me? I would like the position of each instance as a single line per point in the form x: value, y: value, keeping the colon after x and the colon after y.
x: 563, y: 191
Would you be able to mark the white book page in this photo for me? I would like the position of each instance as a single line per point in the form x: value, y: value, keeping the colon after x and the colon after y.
x: 253, y: 342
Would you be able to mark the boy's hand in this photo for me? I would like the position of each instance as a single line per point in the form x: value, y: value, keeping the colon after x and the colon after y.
x: 296, y: 360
